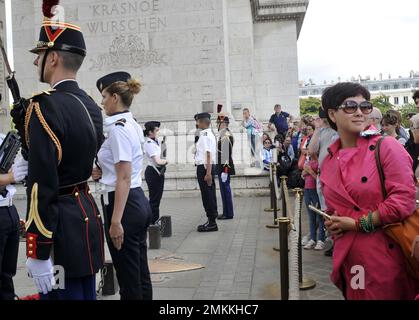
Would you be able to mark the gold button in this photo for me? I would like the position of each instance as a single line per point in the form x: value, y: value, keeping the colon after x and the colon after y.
x: 98, y: 215
x: 86, y: 219
x: 30, y: 238
x: 30, y: 252
x: 89, y: 192
x: 76, y: 194
x: 50, y: 44
x: 30, y: 245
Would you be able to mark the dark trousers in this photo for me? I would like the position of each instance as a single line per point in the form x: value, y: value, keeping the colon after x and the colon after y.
x: 131, y: 262
x: 155, y: 183
x: 75, y: 289
x: 9, y: 246
x: 209, y: 198
x: 252, y: 144
x: 226, y: 197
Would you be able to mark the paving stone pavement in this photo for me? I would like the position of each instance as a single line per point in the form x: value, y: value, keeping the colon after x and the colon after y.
x: 239, y: 259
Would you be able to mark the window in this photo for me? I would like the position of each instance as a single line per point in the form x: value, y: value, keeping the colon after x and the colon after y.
x: 396, y: 86
x: 405, y: 100
x: 387, y: 99
x: 405, y: 85
x: 396, y: 100
x: 315, y: 92
x: 386, y: 87
x: 304, y: 93
x: 417, y: 84
x: 374, y: 88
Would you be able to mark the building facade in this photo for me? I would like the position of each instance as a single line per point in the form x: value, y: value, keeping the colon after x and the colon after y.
x: 190, y: 55
x: 398, y: 91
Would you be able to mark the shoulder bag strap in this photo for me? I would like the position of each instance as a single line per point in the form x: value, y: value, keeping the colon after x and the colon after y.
x: 380, y: 167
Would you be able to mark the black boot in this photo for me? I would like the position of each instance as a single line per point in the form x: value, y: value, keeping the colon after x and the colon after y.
x: 208, y: 227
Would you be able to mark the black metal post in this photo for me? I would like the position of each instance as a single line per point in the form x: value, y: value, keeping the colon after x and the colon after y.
x: 284, y: 264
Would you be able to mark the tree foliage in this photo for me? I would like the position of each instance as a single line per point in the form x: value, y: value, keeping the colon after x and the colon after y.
x: 310, y: 106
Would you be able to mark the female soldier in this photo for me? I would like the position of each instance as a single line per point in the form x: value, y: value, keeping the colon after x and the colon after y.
x: 126, y: 209
x: 154, y: 173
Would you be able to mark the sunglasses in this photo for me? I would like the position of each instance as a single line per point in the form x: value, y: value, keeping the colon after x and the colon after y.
x: 351, y: 106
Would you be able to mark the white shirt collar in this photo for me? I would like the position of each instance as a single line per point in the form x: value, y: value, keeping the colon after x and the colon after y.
x: 59, y: 82
x: 112, y: 119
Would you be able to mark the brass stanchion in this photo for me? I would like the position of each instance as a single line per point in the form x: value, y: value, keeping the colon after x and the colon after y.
x: 275, y: 202
x: 284, y: 224
x: 305, y: 283
x: 271, y: 187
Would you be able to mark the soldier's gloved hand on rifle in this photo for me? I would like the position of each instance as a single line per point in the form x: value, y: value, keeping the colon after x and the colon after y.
x: 20, y: 170
x: 18, y: 113
x: 42, y: 273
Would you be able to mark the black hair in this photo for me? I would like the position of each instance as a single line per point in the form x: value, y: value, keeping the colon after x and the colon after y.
x: 415, y: 95
x: 71, y: 61
x: 148, y: 130
x: 279, y: 137
x: 334, y: 96
x: 312, y: 126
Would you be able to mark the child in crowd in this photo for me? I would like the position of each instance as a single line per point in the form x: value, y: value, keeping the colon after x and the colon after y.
x: 311, y: 197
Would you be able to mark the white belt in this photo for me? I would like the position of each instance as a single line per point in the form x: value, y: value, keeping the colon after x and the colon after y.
x: 104, y: 191
x: 7, y: 202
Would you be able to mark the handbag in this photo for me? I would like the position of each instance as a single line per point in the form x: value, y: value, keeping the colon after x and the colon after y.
x: 403, y: 233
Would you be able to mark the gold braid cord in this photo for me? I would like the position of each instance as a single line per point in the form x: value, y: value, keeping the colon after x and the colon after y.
x: 44, y: 125
x: 34, y: 216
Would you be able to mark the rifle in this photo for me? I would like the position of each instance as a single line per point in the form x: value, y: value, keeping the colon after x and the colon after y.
x: 8, y: 151
x: 20, y: 105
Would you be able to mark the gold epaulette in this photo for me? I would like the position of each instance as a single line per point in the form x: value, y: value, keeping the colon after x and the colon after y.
x: 47, y: 92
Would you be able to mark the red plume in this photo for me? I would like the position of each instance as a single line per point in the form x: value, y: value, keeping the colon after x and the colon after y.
x: 219, y: 108
x: 47, y: 6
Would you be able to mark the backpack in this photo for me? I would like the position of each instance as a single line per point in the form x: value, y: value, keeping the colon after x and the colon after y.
x: 295, y: 180
x: 284, y: 164
x: 257, y: 125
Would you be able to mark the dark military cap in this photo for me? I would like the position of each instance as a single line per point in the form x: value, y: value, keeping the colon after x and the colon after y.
x: 202, y: 115
x: 107, y: 80
x: 60, y: 36
x: 322, y: 113
x: 152, y: 125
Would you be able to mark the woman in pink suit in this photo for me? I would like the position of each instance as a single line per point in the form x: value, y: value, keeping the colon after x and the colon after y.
x: 366, y: 263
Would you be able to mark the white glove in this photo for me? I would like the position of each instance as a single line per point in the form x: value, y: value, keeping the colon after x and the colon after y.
x: 20, y: 170
x: 224, y: 177
x: 42, y: 273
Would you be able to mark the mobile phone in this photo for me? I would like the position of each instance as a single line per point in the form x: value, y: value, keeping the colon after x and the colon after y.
x: 323, y: 214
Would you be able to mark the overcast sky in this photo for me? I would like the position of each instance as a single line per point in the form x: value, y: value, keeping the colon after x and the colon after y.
x: 344, y: 38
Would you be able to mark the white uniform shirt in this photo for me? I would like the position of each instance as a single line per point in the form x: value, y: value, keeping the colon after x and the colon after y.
x: 4, y: 201
x: 152, y: 148
x: 206, y: 143
x: 123, y: 143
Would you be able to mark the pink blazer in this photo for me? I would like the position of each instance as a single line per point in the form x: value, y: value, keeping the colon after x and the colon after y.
x: 352, y: 188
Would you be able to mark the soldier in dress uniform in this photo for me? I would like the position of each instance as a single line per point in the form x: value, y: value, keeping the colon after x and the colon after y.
x: 205, y: 160
x: 225, y: 165
x: 126, y: 209
x: 154, y: 173
x: 63, y: 130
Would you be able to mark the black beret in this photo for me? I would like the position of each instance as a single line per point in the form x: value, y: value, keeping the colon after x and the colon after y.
x: 60, y: 36
x: 107, y: 80
x: 202, y: 115
x: 152, y: 124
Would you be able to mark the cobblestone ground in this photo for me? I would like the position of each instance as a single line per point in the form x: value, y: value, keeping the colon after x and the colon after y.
x: 239, y: 259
